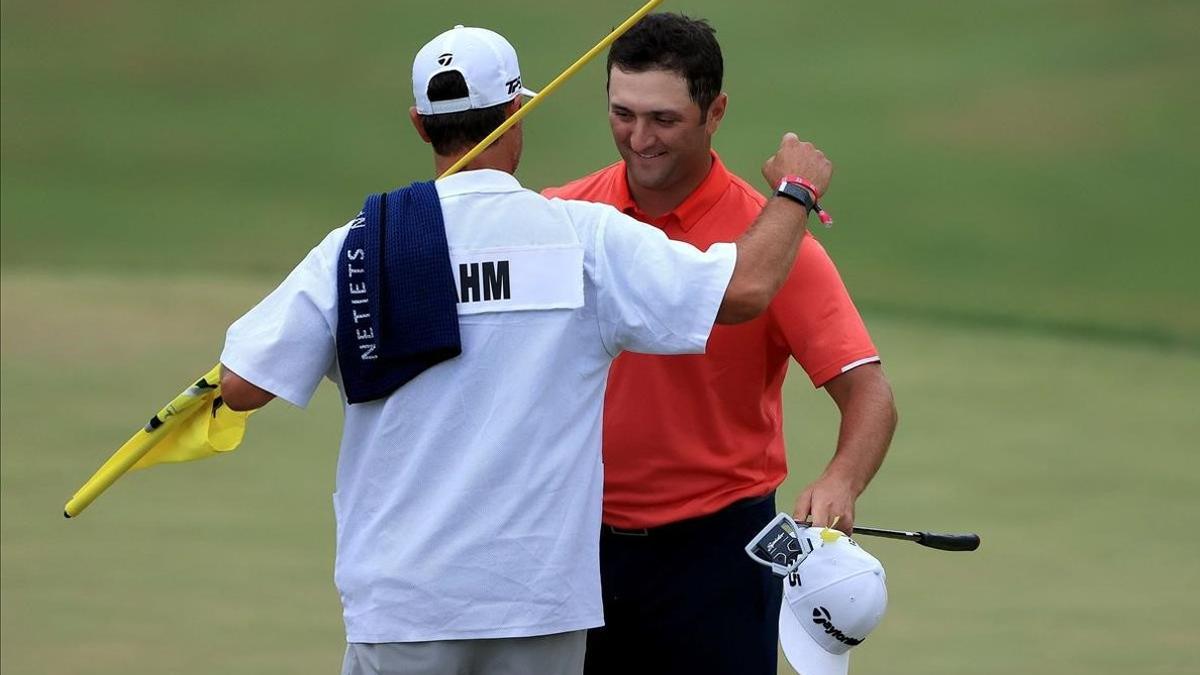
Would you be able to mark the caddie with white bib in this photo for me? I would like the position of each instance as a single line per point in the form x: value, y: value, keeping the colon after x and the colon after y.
x: 469, y: 324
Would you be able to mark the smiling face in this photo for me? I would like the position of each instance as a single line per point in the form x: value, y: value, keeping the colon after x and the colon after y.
x: 660, y: 132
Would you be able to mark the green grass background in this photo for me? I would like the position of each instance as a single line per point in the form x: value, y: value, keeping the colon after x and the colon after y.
x: 1015, y: 205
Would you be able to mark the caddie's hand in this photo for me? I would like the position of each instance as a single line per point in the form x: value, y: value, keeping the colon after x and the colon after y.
x: 823, y: 500
x: 798, y: 158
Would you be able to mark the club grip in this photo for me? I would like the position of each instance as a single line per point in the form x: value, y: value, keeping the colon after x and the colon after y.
x: 950, y: 542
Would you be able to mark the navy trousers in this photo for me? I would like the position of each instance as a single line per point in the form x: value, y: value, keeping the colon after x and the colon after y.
x: 685, y: 598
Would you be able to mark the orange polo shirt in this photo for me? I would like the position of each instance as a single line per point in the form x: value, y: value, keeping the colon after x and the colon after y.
x: 685, y: 436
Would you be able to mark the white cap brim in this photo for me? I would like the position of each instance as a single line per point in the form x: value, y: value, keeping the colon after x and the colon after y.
x: 806, y: 656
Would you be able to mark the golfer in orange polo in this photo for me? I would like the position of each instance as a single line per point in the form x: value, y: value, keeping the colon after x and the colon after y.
x: 693, y: 445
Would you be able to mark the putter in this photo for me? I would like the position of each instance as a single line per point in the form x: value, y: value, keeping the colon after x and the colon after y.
x: 966, y: 541
x: 778, y: 546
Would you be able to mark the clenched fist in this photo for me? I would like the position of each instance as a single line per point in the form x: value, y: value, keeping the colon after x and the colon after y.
x: 798, y: 158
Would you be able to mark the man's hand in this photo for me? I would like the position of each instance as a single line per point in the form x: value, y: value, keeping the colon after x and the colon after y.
x: 798, y: 158
x: 823, y: 500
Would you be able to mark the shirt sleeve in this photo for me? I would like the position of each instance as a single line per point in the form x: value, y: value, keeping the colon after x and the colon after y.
x: 655, y: 295
x: 818, y: 320
x: 285, y: 344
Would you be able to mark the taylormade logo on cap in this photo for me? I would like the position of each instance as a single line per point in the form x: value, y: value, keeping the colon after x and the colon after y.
x: 830, y: 603
x: 822, y: 618
x: 487, y: 62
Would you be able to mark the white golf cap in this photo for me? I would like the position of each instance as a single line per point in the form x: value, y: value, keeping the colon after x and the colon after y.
x: 830, y: 603
x: 484, y: 58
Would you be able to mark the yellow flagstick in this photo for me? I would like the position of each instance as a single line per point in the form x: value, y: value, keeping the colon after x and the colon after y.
x: 141, y: 442
x: 144, y: 440
x: 549, y: 89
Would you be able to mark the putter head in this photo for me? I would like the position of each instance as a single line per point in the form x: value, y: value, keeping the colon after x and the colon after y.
x: 779, y: 546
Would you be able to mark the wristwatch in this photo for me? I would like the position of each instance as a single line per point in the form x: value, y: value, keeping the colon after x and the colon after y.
x: 797, y: 192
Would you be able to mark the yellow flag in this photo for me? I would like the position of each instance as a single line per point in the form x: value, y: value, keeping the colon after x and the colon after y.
x: 209, y: 429
x: 194, y: 425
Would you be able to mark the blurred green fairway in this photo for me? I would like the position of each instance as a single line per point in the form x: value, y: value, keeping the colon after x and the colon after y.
x: 1016, y: 211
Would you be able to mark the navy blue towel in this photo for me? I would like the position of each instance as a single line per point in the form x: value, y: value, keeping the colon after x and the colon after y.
x: 397, y: 302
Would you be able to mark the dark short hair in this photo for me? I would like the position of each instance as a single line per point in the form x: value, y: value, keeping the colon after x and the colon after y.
x: 677, y: 43
x: 452, y: 132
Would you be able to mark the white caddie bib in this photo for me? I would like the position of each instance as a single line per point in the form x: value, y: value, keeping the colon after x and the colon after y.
x: 518, y: 278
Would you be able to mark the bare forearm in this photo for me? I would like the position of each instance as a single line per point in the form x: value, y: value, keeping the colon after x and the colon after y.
x: 868, y: 421
x: 766, y: 251
x: 765, y: 254
x: 864, y: 398
x: 241, y: 395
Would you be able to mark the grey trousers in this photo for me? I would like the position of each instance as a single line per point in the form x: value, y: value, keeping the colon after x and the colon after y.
x: 558, y: 654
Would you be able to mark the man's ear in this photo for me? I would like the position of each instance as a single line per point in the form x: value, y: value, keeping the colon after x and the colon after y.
x: 716, y: 112
x: 513, y: 106
x: 418, y: 123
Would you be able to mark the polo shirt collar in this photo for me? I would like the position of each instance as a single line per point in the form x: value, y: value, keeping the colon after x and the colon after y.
x: 478, y: 180
x: 690, y: 210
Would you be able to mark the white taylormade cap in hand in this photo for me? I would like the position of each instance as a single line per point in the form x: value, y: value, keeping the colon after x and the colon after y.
x: 484, y: 58
x: 830, y: 603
